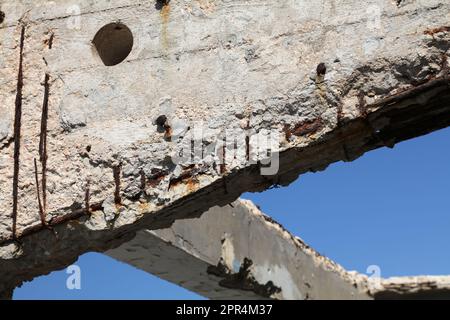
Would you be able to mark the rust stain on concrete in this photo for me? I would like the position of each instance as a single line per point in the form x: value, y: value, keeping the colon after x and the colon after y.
x: 165, y: 15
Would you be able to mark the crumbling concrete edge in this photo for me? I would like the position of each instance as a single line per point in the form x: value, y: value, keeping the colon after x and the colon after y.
x: 411, y: 288
x: 411, y: 113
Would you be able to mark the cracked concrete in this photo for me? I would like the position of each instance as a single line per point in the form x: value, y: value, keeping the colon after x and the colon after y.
x: 229, y: 64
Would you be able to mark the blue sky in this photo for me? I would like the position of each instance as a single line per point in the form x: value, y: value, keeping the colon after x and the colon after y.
x: 390, y: 208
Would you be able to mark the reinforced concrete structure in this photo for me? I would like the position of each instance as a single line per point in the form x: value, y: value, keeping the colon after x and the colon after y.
x: 124, y: 115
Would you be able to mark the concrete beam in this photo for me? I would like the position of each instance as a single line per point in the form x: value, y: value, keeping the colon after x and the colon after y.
x: 236, y: 252
x: 412, y: 288
x: 105, y: 169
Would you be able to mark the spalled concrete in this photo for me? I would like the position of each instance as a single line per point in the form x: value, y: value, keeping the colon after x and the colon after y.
x: 86, y: 132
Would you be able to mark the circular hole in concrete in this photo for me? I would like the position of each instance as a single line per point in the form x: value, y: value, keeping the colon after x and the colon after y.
x: 113, y: 43
x: 2, y: 17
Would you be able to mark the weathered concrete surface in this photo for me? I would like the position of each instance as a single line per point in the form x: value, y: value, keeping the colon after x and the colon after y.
x: 231, y: 64
x: 207, y: 256
x: 412, y: 288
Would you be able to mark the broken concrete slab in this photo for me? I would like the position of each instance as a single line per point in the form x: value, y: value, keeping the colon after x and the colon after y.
x: 106, y: 170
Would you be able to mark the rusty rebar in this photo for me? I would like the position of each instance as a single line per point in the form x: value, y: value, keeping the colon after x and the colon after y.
x: 17, y: 133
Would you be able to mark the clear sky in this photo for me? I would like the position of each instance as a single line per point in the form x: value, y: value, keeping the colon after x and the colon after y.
x: 390, y: 208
